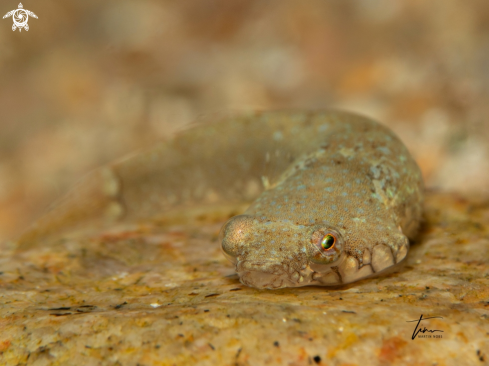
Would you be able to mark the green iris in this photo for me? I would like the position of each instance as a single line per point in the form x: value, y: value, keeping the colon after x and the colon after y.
x: 328, y: 241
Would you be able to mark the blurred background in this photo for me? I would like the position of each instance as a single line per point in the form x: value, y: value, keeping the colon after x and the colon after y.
x: 94, y: 80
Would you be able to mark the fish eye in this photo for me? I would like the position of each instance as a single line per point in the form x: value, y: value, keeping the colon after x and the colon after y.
x: 326, y: 244
x: 328, y: 241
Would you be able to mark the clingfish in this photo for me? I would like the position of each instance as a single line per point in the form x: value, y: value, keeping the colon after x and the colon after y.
x: 336, y: 197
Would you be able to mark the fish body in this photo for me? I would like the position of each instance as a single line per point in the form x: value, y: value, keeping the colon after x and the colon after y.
x: 335, y: 196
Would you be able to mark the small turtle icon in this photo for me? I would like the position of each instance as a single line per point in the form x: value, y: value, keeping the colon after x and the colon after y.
x: 20, y: 17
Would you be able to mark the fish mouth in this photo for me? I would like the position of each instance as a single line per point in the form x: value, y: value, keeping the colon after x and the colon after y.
x: 271, y: 276
x: 263, y: 280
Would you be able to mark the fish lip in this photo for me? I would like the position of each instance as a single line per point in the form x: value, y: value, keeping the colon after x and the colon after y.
x: 250, y: 274
x: 280, y: 278
x: 263, y: 280
x: 243, y: 266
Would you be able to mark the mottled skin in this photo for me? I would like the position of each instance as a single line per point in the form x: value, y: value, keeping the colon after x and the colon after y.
x: 311, y: 174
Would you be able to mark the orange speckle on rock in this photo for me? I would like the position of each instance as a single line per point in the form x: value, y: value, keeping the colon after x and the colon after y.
x: 302, y: 354
x: 462, y: 336
x: 4, y: 345
x: 391, y: 349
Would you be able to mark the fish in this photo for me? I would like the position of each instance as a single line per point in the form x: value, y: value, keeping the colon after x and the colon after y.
x: 336, y: 197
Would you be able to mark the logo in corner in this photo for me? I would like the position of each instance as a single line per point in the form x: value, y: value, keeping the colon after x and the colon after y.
x: 20, y: 17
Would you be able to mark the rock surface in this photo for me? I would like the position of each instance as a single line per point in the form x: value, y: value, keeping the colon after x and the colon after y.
x: 164, y: 295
